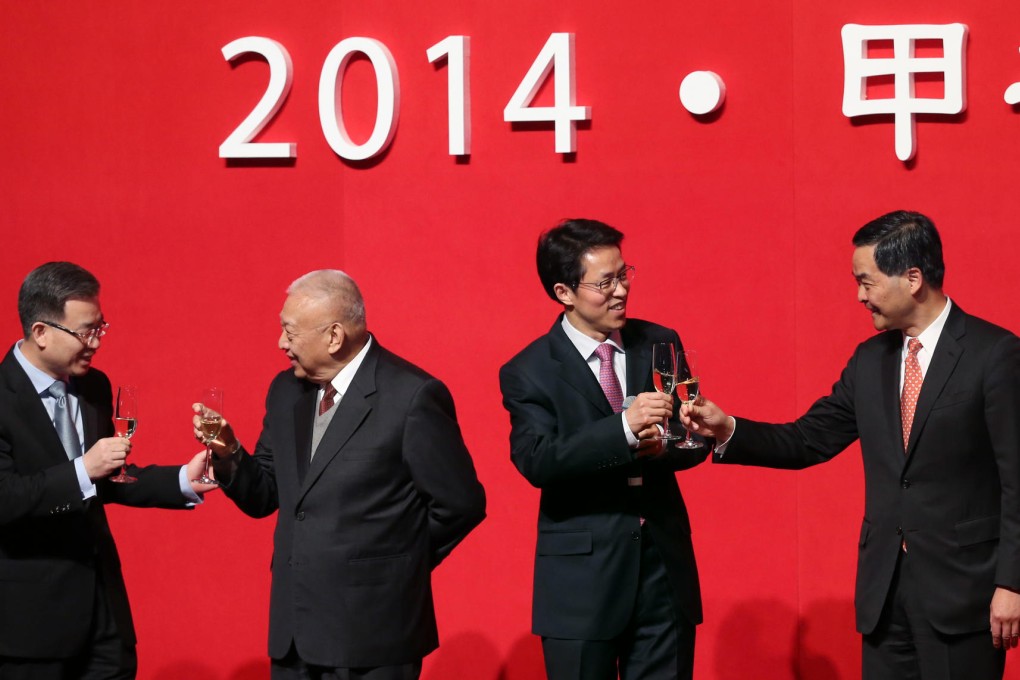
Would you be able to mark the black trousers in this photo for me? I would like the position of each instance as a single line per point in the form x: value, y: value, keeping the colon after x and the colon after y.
x: 293, y: 667
x: 657, y: 644
x: 904, y: 646
x: 107, y: 656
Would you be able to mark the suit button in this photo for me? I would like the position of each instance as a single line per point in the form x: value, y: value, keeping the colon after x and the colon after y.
x: 300, y: 516
x: 635, y: 535
x: 905, y: 483
x: 899, y: 531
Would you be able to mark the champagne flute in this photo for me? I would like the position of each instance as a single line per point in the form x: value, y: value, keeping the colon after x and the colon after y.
x: 211, y: 400
x: 687, y: 390
x: 664, y: 378
x: 125, y: 420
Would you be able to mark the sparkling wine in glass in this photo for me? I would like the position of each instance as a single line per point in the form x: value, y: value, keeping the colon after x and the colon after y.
x: 687, y: 390
x: 664, y: 378
x: 211, y: 400
x: 125, y: 420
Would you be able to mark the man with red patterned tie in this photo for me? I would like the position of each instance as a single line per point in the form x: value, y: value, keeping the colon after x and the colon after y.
x: 935, y: 402
x: 616, y: 585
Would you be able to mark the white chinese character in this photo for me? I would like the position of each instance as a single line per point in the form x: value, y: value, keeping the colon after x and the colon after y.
x: 902, y: 66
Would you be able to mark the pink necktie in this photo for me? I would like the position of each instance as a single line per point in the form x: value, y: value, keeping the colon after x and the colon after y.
x: 607, y: 376
x: 327, y: 399
x: 912, y: 379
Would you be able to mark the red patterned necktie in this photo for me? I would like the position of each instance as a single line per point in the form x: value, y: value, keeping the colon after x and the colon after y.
x: 327, y: 399
x: 607, y: 376
x: 912, y: 379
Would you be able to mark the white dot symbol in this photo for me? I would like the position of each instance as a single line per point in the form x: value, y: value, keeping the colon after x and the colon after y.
x: 702, y: 92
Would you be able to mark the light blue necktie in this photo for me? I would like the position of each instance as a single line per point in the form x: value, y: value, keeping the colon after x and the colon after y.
x: 63, y: 422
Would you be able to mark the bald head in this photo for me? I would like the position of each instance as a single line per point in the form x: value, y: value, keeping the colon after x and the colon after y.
x: 336, y: 291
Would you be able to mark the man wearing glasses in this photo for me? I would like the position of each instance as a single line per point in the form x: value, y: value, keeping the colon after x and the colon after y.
x: 616, y: 585
x: 63, y: 607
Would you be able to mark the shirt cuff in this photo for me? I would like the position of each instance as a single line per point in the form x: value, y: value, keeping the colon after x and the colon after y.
x: 88, y: 489
x: 632, y: 440
x: 186, y: 490
x: 720, y: 449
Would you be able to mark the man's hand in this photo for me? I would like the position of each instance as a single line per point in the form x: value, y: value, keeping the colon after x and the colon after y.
x: 106, y: 456
x: 1004, y: 616
x: 647, y: 413
x: 707, y: 419
x: 195, y: 469
x: 225, y: 443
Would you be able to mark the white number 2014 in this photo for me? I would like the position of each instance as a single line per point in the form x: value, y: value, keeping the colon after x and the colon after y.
x: 556, y: 57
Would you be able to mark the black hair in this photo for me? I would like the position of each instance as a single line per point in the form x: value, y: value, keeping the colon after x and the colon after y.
x: 903, y: 240
x: 561, y: 248
x: 48, y: 287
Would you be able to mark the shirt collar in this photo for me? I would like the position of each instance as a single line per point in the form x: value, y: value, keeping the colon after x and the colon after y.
x: 929, y: 337
x: 342, y: 381
x: 41, y: 380
x: 586, y: 345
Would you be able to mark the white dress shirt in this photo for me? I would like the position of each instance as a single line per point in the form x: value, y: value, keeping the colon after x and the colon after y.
x: 929, y: 338
x: 342, y: 381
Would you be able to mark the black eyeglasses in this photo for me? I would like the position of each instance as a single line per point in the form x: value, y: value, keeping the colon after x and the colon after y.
x: 608, y: 286
x: 86, y: 338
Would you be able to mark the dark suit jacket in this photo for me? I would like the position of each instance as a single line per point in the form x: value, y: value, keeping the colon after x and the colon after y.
x: 391, y: 490
x: 954, y: 496
x: 52, y: 544
x: 566, y: 440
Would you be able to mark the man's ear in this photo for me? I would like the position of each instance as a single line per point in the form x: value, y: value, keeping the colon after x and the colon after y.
x: 39, y: 334
x: 915, y: 279
x: 564, y: 294
x: 337, y: 337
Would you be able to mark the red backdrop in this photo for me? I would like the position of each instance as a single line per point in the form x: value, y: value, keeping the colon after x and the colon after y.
x: 739, y: 224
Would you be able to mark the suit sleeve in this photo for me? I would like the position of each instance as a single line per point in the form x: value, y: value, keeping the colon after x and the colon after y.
x: 54, y: 490
x: 828, y: 427
x: 250, y: 480
x: 541, y: 451
x: 1002, y: 418
x: 38, y: 494
x: 158, y: 486
x: 441, y: 468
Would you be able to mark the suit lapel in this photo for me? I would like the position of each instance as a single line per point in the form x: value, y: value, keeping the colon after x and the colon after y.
x: 574, y: 370
x: 943, y: 363
x: 890, y: 372
x: 353, y: 409
x: 89, y: 416
x: 31, y: 409
x: 304, y: 419
x: 639, y: 361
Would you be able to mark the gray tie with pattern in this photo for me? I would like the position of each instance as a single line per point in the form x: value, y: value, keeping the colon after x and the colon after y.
x: 63, y: 422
